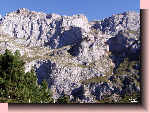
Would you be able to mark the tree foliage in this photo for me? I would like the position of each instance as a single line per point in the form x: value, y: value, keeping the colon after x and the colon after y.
x: 64, y: 99
x: 16, y: 86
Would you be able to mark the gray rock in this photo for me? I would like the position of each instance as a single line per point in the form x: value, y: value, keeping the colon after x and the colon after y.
x: 68, y: 50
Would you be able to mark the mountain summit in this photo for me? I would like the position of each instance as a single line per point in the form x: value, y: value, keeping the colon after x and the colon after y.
x: 77, y: 57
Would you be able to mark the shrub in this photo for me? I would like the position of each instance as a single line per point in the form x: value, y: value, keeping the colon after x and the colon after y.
x: 64, y: 99
x: 16, y: 86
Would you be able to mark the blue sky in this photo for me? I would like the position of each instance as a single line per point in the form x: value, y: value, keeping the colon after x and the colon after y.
x: 93, y: 9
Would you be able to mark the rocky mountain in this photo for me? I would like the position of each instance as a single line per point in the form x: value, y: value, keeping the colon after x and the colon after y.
x: 77, y: 57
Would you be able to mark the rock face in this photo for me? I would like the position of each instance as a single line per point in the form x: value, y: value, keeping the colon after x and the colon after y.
x: 68, y: 51
x: 39, y: 29
x: 125, y: 21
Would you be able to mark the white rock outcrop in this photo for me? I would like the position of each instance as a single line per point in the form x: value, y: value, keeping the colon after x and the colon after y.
x: 68, y: 50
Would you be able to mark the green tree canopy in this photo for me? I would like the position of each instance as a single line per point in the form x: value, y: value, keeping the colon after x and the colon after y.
x: 16, y: 86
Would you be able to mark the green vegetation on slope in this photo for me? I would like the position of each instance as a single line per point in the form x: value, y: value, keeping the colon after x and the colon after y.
x: 16, y: 86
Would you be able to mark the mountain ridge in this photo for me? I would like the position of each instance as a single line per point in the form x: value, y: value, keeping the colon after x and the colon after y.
x: 68, y: 51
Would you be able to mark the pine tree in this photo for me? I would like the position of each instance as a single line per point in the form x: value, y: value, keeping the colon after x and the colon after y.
x: 16, y: 86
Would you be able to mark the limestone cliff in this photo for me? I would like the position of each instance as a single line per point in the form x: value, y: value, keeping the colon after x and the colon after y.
x: 69, y: 51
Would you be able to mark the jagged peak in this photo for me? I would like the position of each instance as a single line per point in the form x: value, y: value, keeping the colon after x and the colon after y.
x: 75, y: 16
x: 22, y: 10
x: 130, y: 12
x: 126, y: 13
x: 26, y: 12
